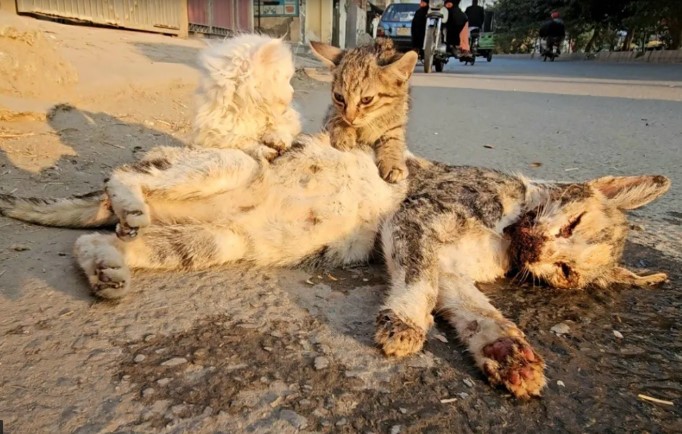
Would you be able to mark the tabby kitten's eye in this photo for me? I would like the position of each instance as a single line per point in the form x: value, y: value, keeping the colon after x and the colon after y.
x: 567, y: 230
x: 366, y: 100
x: 565, y: 269
x: 339, y: 98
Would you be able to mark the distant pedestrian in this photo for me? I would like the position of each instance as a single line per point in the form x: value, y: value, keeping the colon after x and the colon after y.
x: 375, y: 25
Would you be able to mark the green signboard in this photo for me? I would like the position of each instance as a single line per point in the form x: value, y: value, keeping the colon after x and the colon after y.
x: 276, y: 8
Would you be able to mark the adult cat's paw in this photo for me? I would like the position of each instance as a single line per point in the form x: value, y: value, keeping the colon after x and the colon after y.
x: 398, y: 337
x: 512, y: 362
x: 130, y: 222
x: 393, y: 172
x: 110, y: 279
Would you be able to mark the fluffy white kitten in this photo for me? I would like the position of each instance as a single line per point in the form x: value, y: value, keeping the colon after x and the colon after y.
x: 245, y: 95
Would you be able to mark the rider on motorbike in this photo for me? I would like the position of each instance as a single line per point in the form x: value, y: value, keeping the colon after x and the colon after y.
x: 555, y: 32
x: 457, y: 28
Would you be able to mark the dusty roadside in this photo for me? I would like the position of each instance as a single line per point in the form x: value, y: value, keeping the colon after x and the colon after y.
x: 235, y: 350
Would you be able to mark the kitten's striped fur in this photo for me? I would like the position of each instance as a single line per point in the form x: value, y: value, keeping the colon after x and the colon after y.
x: 370, y: 95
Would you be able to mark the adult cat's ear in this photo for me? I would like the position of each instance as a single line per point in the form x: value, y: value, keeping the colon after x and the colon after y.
x: 404, y: 66
x: 627, y: 277
x: 630, y: 192
x: 328, y: 54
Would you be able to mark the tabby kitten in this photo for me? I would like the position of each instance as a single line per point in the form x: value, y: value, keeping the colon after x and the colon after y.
x: 370, y: 95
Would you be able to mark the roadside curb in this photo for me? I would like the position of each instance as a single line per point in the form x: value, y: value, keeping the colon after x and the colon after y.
x: 663, y: 56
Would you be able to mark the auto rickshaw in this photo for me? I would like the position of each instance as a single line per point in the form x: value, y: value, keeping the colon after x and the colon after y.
x: 483, y: 39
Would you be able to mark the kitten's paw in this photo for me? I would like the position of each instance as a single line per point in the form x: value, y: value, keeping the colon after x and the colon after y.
x: 110, y: 279
x: 511, y: 361
x: 398, y: 337
x: 130, y: 223
x: 343, y: 142
x: 393, y: 172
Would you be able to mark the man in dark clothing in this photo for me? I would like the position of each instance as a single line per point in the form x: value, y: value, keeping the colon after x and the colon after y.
x: 476, y: 14
x: 456, y: 26
x: 555, y: 32
x: 419, y: 25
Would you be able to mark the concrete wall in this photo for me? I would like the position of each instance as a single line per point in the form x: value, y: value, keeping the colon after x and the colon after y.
x: 287, y: 27
x: 318, y: 20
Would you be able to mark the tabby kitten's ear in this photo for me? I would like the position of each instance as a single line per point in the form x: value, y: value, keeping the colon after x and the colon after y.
x: 328, y: 54
x: 403, y: 67
x: 630, y: 192
x: 627, y: 277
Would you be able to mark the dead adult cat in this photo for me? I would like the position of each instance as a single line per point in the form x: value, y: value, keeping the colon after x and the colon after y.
x: 244, y: 100
x: 450, y: 228
x: 370, y: 95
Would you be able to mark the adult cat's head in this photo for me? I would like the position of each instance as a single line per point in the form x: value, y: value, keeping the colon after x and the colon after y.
x: 577, y: 237
x: 369, y: 81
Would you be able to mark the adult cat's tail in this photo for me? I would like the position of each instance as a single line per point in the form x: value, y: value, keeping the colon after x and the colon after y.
x: 89, y: 210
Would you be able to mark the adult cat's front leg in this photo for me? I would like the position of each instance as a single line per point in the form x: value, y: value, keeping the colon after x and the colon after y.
x: 411, y: 259
x: 498, y: 347
x: 174, y: 174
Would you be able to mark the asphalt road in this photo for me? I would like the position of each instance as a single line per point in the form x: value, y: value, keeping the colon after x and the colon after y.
x: 577, y: 119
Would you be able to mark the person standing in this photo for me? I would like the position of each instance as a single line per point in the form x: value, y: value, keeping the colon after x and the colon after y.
x: 375, y: 25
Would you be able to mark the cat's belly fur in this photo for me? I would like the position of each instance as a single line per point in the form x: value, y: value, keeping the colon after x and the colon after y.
x: 310, y: 199
x: 321, y: 199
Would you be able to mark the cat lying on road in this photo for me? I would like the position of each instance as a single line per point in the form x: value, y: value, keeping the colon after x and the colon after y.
x: 443, y: 231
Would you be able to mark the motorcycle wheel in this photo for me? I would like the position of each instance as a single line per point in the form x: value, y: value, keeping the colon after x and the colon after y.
x: 438, y: 64
x: 430, y: 49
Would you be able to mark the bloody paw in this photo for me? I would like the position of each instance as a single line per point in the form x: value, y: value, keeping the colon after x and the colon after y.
x: 510, y: 361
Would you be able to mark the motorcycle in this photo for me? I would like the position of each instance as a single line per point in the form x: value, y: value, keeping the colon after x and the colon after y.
x: 435, y: 52
x: 549, y: 48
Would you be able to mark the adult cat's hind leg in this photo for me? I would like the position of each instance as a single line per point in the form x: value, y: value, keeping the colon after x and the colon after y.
x: 107, y: 261
x: 498, y: 347
x: 102, y: 260
x: 174, y: 174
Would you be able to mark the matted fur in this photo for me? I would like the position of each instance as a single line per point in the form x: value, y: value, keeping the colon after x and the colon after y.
x: 245, y: 95
x: 370, y: 101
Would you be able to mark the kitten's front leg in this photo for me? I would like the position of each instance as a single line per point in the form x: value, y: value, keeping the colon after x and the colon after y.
x: 390, y: 154
x: 498, y: 347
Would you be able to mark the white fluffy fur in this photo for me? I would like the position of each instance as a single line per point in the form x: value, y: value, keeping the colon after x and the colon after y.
x: 245, y: 95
